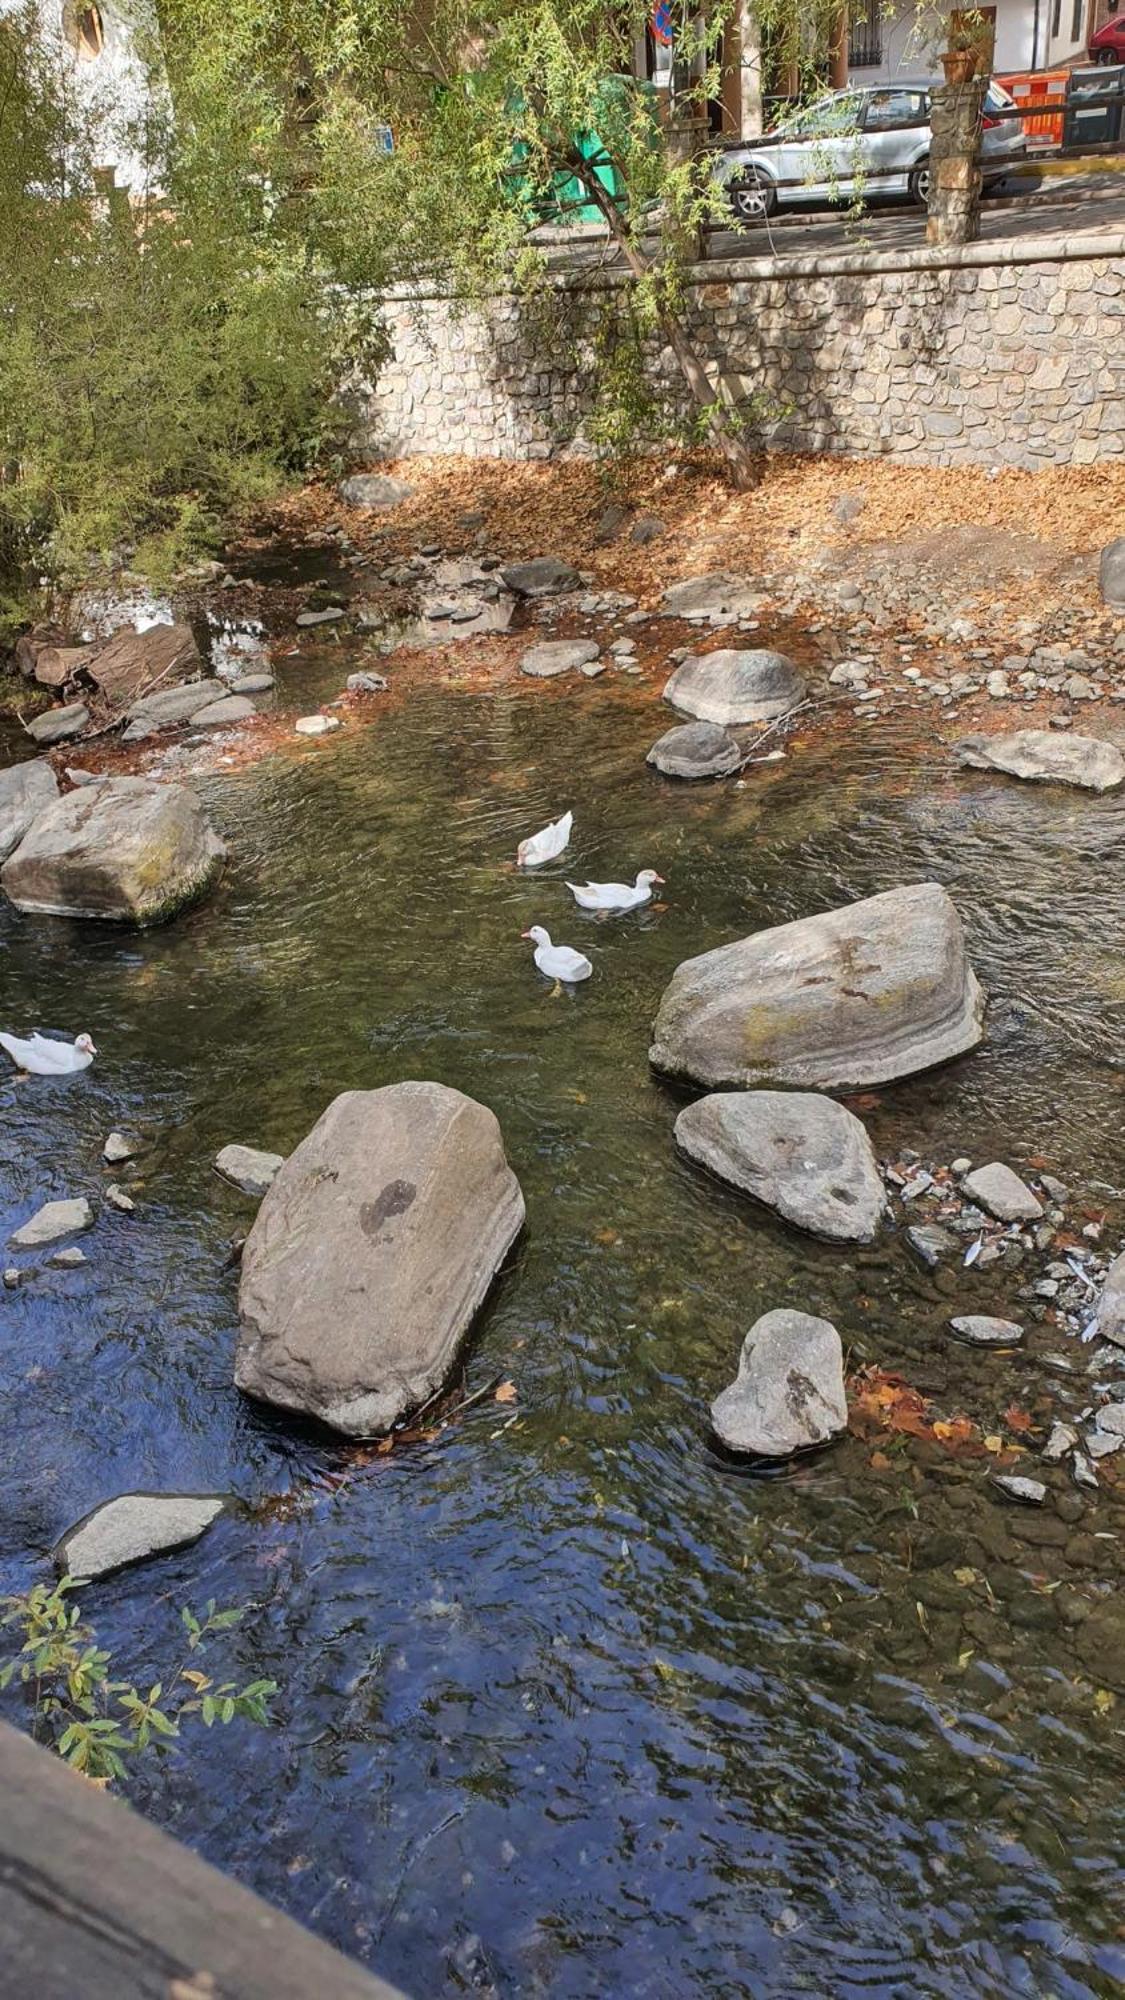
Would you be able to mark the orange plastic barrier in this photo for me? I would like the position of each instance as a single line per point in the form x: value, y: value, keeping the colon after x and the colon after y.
x: 1044, y: 86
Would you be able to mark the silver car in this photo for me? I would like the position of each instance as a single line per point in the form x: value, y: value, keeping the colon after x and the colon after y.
x: 874, y: 140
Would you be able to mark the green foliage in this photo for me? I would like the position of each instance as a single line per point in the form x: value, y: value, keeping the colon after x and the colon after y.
x: 97, y: 1723
x: 168, y: 360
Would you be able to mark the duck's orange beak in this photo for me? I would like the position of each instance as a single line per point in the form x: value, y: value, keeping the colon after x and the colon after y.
x: 525, y: 934
x: 660, y: 879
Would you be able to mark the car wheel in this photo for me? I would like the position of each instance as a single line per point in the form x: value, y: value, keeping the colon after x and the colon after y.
x: 920, y: 184
x: 752, y: 198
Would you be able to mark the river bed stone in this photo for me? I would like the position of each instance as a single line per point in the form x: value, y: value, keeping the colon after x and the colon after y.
x: 715, y: 599
x: 129, y: 850
x: 796, y: 1152
x: 248, y: 1168
x: 131, y: 1528
x: 58, y: 725
x: 844, y: 1000
x: 1000, y: 1191
x: 981, y: 1330
x: 26, y: 790
x: 52, y: 1222
x: 1044, y: 756
x: 372, y: 1253
x: 735, y: 686
x: 558, y: 656
x: 696, y: 750
x: 788, y: 1395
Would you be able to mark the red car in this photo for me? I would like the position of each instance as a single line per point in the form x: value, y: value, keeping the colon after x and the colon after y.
x: 1108, y: 45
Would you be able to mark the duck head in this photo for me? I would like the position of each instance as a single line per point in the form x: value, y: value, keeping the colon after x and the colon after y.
x: 84, y: 1045
x: 648, y: 877
x: 536, y: 934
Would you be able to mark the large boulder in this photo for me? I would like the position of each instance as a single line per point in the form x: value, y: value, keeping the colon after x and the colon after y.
x: 128, y: 849
x: 26, y: 790
x: 794, y: 1151
x: 1112, y: 574
x: 131, y: 662
x: 131, y: 1528
x: 1051, y: 756
x: 845, y: 1000
x: 696, y: 750
x: 715, y: 599
x: 371, y: 1254
x: 735, y: 685
x: 789, y: 1392
x: 373, y: 489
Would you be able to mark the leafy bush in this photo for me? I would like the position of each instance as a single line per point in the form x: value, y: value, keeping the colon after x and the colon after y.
x: 95, y: 1722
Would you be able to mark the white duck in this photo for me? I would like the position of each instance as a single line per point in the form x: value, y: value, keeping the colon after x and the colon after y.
x: 616, y: 895
x: 546, y: 844
x: 41, y: 1055
x: 557, y: 961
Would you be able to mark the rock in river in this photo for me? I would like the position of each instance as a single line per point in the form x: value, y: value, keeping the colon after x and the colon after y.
x: 852, y: 998
x: 733, y: 686
x: 789, y: 1391
x: 794, y: 1151
x: 980, y: 1330
x: 371, y: 1254
x: 696, y: 750
x: 167, y: 708
x: 252, y: 1171
x: 52, y: 1222
x: 129, y: 850
x: 1045, y: 755
x: 1000, y: 1191
x: 58, y: 725
x: 25, y: 791
x: 558, y: 656
x: 543, y: 576
x: 133, y: 1526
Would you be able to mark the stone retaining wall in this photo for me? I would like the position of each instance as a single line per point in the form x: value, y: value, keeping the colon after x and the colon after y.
x: 1006, y: 353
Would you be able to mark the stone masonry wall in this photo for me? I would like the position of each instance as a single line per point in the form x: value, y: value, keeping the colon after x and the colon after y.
x: 1010, y: 354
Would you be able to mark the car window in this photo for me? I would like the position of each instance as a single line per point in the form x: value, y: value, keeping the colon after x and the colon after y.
x: 887, y: 109
x: 829, y: 119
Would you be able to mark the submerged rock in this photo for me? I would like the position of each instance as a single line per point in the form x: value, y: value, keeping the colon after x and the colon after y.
x: 718, y: 598
x: 734, y: 685
x: 1000, y: 1191
x: 696, y: 750
x: 558, y: 656
x: 794, y: 1151
x: 129, y: 850
x: 854, y: 997
x: 316, y: 725
x: 133, y: 1526
x: 26, y: 790
x: 789, y: 1391
x: 371, y: 1254
x: 118, y: 1148
x: 930, y: 1243
x: 373, y: 489
x: 252, y: 1171
x: 58, y: 725
x: 543, y: 576
x: 52, y: 1222
x: 980, y: 1330
x: 1041, y: 754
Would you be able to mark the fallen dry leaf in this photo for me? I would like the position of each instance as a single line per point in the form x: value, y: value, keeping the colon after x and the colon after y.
x: 506, y: 1392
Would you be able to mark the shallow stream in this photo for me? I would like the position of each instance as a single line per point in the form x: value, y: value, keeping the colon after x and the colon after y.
x: 568, y: 1706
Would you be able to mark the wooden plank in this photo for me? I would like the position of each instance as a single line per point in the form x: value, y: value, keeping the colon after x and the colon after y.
x: 97, y: 1904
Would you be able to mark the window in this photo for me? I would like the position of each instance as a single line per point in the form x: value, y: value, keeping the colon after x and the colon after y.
x: 888, y: 109
x: 865, y: 38
x: 1056, y: 19
x: 831, y: 119
x: 84, y: 29
x: 1076, y: 22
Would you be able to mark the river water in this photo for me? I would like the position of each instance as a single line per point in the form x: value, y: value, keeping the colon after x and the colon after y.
x: 570, y: 1707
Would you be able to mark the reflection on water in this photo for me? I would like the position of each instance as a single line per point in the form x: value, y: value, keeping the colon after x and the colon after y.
x: 571, y: 1708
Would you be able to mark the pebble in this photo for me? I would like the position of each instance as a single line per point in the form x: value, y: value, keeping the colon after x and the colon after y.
x: 327, y: 617
x: 316, y: 725
x: 1062, y: 1439
x: 1031, y: 1492
x: 118, y: 1148
x: 117, y: 1198
x: 68, y: 1260
x: 1084, y: 1474
x: 367, y: 684
x: 980, y: 1330
x: 960, y: 1166
x: 1111, y: 1417
x: 12, y: 1278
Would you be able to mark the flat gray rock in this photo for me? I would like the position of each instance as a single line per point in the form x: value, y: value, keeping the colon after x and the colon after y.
x: 252, y: 1171
x: 25, y: 791
x: 129, y: 850
x: 118, y: 1148
x: 58, y: 725
x: 364, y: 683
x: 852, y: 998
x: 558, y: 656
x: 252, y: 684
x: 735, y: 686
x: 931, y: 1243
x: 220, y: 714
x: 979, y: 1330
x: 796, y: 1152
x: 331, y: 615
x: 696, y: 750
x: 371, y: 1254
x: 1111, y: 574
x: 51, y: 1223
x: 717, y: 598
x: 373, y: 489
x: 1046, y: 756
x: 1000, y: 1191
x: 543, y: 576
x: 789, y: 1392
x: 1111, y: 1418
x: 68, y: 1260
x: 1111, y: 1306
x: 1029, y: 1492
x: 132, y: 1527
x: 168, y: 708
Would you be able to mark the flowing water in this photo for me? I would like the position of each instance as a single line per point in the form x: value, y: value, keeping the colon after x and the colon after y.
x: 569, y: 1705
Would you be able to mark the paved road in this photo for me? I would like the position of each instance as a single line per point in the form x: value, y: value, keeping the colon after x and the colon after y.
x: 1027, y: 206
